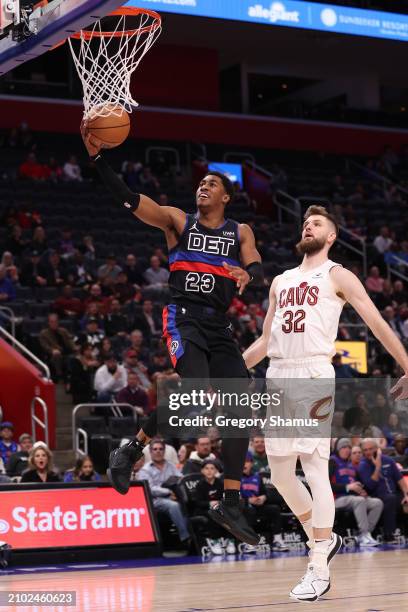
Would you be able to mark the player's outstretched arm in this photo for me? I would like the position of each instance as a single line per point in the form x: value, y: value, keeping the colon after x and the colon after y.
x: 143, y: 207
x: 250, y: 258
x: 354, y: 292
x: 257, y: 351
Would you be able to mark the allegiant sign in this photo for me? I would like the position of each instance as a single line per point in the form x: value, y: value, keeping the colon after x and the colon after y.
x: 51, y: 518
x: 294, y: 14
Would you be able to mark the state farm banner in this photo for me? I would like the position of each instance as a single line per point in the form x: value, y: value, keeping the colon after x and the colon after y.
x: 53, y: 518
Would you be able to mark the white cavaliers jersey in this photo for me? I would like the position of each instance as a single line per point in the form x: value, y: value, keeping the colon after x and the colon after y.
x: 307, y: 314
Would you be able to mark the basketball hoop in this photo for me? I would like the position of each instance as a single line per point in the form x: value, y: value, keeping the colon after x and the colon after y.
x: 107, y: 53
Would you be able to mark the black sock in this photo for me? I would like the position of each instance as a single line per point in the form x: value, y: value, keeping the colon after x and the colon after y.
x: 231, y: 497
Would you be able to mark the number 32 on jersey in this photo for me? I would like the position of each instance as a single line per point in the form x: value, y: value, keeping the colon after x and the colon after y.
x: 293, y: 321
x: 200, y: 282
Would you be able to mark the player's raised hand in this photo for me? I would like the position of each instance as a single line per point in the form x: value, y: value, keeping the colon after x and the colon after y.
x: 93, y: 145
x: 241, y: 276
x: 400, y: 390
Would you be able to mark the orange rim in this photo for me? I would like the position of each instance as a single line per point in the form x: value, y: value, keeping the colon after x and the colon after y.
x: 127, y: 11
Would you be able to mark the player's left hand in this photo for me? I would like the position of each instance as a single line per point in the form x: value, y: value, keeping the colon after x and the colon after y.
x: 241, y: 276
x: 400, y: 390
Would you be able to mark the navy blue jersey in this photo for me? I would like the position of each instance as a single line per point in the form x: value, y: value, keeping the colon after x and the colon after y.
x: 196, y: 271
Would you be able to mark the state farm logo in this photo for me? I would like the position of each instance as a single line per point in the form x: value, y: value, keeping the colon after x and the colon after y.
x: 86, y: 518
x: 4, y: 526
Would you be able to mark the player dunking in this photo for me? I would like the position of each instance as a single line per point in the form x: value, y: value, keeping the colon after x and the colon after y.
x: 298, y: 336
x: 206, y: 255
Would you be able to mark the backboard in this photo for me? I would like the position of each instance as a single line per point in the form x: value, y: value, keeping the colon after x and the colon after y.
x: 28, y: 29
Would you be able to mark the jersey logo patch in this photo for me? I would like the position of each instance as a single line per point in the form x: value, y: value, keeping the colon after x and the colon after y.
x: 194, y: 227
x: 174, y: 346
x: 317, y: 275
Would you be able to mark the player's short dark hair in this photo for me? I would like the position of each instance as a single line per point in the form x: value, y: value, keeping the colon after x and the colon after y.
x: 314, y: 209
x: 228, y: 186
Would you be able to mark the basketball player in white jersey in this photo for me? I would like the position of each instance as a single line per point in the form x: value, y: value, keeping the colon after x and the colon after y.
x: 299, y: 332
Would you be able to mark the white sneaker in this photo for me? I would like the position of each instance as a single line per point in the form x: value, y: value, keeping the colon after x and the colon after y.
x: 366, y: 539
x: 314, y: 584
x: 215, y: 547
x: 230, y: 549
x: 248, y: 548
x: 334, y: 547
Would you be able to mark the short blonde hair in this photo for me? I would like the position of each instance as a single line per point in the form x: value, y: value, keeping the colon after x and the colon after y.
x: 314, y: 209
x: 44, y: 447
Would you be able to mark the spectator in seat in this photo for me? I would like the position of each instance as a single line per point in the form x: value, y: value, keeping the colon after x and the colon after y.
x: 92, y: 334
x: 7, y: 261
x: 157, y: 472
x: 7, y: 289
x: 259, y: 456
x: 54, y: 270
x: 66, y: 244
x: 208, y: 493
x: 16, y: 244
x: 383, y: 241
x: 31, y: 169
x: 391, y: 428
x: 148, y: 322
x: 343, y: 370
x: 7, y: 445
x: 133, y: 364
x: 82, y: 472
x: 72, y: 171
x: 82, y: 370
x: 66, y: 305
x: 80, y: 270
x: 95, y: 295
x: 133, y: 270
x: 202, y: 452
x: 383, y: 479
x: 374, y: 282
x: 87, y: 248
x: 356, y: 456
x: 53, y: 170
x: 4, y: 478
x: 40, y: 465
x: 109, y: 269
x: 160, y: 363
x: 18, y: 461
x: 123, y: 290
x: 400, y: 449
x: 380, y: 411
x: 183, y: 454
x: 31, y: 273
x: 349, y: 493
x: 57, y: 344
x: 386, y: 297
x: 170, y: 453
x: 156, y: 276
x: 400, y: 295
x: 257, y: 506
x: 93, y: 311
x: 110, y: 378
x: 134, y: 395
x: 39, y: 242
x: 138, y: 345
x: 251, y: 331
x: 392, y: 319
x: 116, y: 323
x: 149, y: 183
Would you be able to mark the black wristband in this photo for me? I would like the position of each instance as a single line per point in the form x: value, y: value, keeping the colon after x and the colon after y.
x: 119, y: 190
x: 255, y: 271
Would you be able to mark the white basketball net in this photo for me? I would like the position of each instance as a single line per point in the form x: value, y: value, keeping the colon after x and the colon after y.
x: 105, y: 60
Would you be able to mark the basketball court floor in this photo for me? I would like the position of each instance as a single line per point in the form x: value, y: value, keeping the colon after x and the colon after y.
x: 368, y: 581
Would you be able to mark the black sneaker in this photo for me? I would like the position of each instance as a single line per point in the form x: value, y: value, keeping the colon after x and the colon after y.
x: 232, y: 519
x: 121, y: 462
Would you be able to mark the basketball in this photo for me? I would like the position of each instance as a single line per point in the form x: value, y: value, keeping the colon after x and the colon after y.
x: 112, y: 129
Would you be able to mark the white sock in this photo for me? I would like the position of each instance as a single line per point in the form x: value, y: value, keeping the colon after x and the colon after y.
x: 320, y: 553
x: 308, y: 529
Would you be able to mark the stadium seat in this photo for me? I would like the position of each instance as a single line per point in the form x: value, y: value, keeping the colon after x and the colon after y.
x: 122, y: 427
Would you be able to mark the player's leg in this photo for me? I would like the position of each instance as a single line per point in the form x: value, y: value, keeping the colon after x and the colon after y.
x: 226, y: 362
x: 192, y: 363
x: 293, y: 491
x: 316, y: 581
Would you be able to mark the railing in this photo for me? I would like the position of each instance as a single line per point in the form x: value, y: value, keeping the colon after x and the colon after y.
x: 172, y: 150
x: 79, y: 432
x: 377, y: 175
x: 15, y: 343
x: 35, y: 420
x: 395, y: 269
x: 10, y: 316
